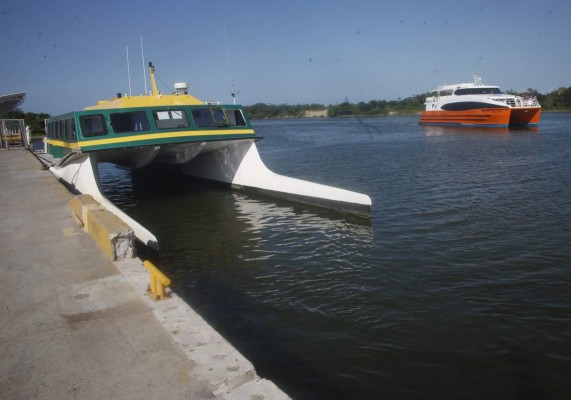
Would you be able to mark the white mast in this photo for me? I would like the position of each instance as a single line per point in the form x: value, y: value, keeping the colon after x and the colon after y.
x: 234, y: 91
x: 128, y: 68
x: 144, y: 67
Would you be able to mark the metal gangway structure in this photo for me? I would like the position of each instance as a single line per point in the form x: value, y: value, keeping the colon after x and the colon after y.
x: 13, y: 133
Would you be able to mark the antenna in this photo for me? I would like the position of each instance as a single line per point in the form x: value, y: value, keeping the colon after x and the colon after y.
x: 128, y: 68
x: 234, y: 91
x: 144, y: 67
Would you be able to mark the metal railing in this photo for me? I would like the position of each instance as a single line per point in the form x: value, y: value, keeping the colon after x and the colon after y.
x: 514, y: 102
x: 520, y: 102
x: 12, y: 133
x: 158, y: 283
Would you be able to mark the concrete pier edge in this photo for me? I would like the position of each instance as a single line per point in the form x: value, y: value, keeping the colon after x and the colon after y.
x: 214, y: 362
x: 229, y: 373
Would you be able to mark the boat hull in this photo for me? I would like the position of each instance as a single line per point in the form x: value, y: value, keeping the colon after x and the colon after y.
x: 525, y: 116
x: 170, y: 153
x: 483, y: 117
x: 241, y: 167
x: 236, y: 163
x: 80, y: 173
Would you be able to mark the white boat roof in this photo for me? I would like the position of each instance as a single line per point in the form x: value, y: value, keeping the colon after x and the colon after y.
x: 477, y: 83
x: 464, y: 85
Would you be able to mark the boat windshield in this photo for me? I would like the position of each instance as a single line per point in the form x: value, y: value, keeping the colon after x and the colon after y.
x: 479, y: 90
x: 216, y: 117
x: 442, y: 93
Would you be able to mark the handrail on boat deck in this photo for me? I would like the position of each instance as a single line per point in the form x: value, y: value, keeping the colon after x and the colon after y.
x: 518, y: 101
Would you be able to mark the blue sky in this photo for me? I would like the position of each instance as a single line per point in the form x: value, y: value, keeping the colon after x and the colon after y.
x: 68, y: 54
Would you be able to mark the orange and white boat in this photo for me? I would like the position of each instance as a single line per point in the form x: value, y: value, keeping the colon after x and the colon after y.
x: 476, y: 104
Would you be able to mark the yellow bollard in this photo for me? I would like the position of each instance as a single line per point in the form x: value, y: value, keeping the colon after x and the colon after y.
x: 159, y: 281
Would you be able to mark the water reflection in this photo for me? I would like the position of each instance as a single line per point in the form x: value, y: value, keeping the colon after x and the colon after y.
x: 263, y: 214
x: 462, y: 277
x: 442, y: 130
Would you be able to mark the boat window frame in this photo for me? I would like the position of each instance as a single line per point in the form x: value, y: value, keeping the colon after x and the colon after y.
x: 477, y: 91
x: 217, y: 117
x: 73, y: 129
x: 66, y: 130
x: 103, y: 132
x: 145, y: 127
x: 208, y: 120
x: 61, y: 129
x: 221, y: 112
x: 157, y: 120
x: 240, y: 113
x: 447, y: 92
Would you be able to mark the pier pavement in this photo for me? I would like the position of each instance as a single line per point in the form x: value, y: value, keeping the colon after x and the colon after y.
x: 75, y: 325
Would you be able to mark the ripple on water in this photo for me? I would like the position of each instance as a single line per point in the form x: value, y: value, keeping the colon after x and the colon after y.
x: 456, y: 288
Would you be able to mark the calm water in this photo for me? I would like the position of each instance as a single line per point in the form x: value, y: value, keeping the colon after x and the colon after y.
x: 458, y: 287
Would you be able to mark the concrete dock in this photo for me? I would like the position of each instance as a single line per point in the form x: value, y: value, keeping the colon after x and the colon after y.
x: 76, y: 325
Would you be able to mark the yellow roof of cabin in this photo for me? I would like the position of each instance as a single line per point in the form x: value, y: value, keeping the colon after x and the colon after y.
x: 147, y: 101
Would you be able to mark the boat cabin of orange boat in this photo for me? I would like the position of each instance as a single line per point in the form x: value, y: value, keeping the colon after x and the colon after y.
x: 476, y: 104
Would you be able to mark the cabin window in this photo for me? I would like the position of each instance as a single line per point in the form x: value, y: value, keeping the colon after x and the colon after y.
x: 135, y: 121
x: 52, y: 130
x: 443, y: 93
x: 65, y: 126
x: 68, y: 129
x: 485, y: 90
x: 209, y: 117
x: 218, y: 116
x: 235, y: 117
x: 169, y: 119
x: 92, y: 125
x: 202, y: 118
x: 73, y: 131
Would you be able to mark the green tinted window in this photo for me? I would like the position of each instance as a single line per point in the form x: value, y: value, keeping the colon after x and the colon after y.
x: 135, y: 121
x: 92, y: 125
x: 235, y: 117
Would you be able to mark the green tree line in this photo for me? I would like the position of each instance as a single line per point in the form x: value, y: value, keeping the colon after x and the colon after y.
x: 262, y: 110
x: 33, y: 120
x: 556, y: 100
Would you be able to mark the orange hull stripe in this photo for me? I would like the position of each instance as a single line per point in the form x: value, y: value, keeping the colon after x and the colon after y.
x: 483, y: 116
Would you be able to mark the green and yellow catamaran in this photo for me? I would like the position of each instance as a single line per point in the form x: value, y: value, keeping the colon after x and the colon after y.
x: 135, y: 130
x: 205, y: 140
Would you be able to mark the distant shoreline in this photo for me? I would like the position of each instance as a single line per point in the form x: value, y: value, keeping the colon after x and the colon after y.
x: 323, y: 114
